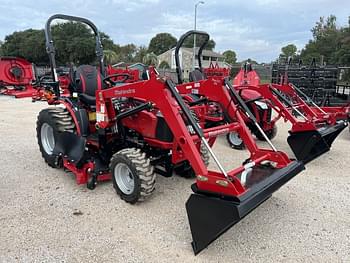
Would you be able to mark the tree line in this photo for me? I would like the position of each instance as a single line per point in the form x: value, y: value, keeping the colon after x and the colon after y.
x: 75, y: 44
x: 330, y: 44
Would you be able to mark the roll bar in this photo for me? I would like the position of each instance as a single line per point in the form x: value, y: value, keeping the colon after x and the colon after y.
x: 179, y: 45
x: 50, y: 49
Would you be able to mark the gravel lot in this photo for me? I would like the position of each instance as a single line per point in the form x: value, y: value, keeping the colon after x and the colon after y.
x: 306, y: 220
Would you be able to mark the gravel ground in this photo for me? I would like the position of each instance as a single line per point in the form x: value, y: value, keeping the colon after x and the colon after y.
x: 306, y: 220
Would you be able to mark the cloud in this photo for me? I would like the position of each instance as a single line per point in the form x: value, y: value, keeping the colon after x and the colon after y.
x: 256, y: 29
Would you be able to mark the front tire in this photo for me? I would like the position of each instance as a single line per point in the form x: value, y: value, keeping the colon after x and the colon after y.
x: 132, y: 175
x: 235, y: 141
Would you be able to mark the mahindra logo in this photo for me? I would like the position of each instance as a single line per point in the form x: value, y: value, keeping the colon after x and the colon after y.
x: 122, y: 92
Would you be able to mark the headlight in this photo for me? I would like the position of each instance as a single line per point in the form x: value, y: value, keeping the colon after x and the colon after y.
x: 262, y: 105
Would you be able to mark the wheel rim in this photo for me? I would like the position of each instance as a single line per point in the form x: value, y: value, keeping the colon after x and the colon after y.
x: 47, y: 138
x: 234, y: 138
x: 124, y: 178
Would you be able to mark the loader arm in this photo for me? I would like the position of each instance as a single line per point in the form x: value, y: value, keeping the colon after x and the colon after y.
x: 313, y: 133
x: 212, y: 209
x: 221, y: 198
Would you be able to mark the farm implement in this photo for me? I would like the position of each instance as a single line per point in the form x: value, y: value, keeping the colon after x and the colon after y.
x: 313, y: 129
x: 210, y: 215
x: 129, y: 132
x: 214, y: 70
x: 17, y: 77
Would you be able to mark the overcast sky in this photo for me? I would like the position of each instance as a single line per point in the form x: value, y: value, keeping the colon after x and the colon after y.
x: 254, y: 29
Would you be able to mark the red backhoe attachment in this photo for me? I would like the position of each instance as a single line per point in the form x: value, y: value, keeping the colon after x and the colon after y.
x: 214, y: 71
x: 246, y: 76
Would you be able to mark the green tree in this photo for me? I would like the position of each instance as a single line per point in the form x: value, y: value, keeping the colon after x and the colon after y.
x: 199, y: 41
x: 127, y: 53
x: 107, y: 42
x: 326, y: 42
x: 164, y: 65
x: 230, y: 56
x: 150, y: 59
x: 289, y: 51
x: 29, y: 44
x: 1, y: 47
x: 161, y: 43
x: 74, y: 42
x: 140, y: 53
x: 110, y: 57
x: 324, y: 27
x: 342, y: 54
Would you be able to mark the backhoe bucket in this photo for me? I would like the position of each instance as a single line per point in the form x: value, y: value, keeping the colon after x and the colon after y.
x: 308, y: 145
x: 210, y: 215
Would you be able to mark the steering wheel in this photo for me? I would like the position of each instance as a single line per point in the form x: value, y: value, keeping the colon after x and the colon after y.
x: 108, y: 80
x: 45, y: 81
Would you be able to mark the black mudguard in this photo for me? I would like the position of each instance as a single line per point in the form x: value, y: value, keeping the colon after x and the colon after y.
x: 70, y: 145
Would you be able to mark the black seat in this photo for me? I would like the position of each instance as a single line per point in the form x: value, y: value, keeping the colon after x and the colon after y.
x: 87, y: 80
x: 196, y: 75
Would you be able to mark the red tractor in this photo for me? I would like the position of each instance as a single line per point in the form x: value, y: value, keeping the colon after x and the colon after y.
x: 129, y: 132
x: 312, y: 133
x: 125, y: 75
x: 320, y: 126
x: 258, y: 106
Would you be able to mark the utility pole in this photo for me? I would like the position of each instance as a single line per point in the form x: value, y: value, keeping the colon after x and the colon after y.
x: 194, y: 36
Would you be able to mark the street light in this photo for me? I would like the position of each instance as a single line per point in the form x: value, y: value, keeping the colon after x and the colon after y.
x: 194, y: 36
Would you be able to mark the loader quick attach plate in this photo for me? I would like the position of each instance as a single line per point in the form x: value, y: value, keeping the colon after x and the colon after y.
x: 211, y: 215
x: 308, y: 145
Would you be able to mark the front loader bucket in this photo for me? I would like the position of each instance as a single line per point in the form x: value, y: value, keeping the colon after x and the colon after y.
x: 211, y: 215
x: 331, y: 133
x: 308, y: 145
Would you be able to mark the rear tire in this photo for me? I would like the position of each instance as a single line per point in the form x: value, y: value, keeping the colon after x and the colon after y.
x: 235, y: 141
x: 132, y: 175
x: 51, y: 121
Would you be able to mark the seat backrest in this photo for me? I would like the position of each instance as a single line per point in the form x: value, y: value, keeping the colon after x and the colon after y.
x: 196, y: 75
x: 88, y: 79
